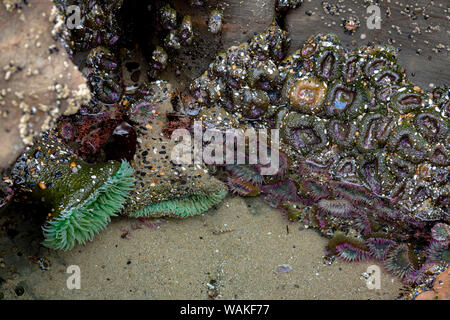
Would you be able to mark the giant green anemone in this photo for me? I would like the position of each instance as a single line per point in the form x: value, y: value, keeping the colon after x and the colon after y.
x: 81, y: 198
x: 182, y: 207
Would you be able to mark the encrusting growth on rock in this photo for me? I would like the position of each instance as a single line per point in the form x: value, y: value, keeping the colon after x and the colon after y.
x: 164, y: 188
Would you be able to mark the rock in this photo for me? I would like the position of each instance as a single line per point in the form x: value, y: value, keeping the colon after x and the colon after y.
x: 38, y: 81
x: 408, y: 33
x: 441, y: 288
x: 165, y: 187
x: 442, y: 285
x: 427, y: 295
x: 241, y: 20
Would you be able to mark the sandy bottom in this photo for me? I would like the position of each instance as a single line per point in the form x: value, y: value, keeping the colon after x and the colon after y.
x: 230, y: 253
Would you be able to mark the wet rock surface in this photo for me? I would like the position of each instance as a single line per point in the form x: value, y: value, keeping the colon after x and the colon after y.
x: 38, y: 81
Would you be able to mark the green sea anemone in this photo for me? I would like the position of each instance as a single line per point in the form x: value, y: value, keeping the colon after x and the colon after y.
x: 182, y: 207
x: 81, y: 197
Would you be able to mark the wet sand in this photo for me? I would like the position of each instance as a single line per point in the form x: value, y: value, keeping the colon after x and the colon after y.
x: 231, y: 252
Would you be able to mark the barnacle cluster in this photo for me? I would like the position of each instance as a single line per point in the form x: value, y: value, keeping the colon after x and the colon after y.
x: 366, y: 149
x: 103, y: 74
x: 97, y: 25
x: 176, y: 32
x: 244, y: 80
x: 283, y: 5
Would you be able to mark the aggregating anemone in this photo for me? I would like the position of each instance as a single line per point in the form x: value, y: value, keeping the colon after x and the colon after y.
x: 363, y: 143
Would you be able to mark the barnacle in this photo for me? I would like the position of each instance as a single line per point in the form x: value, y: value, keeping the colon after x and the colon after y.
x: 215, y: 21
x: 168, y: 17
x: 186, y: 33
x: 172, y: 40
x: 158, y: 61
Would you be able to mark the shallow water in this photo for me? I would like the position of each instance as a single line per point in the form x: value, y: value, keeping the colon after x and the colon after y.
x: 231, y: 251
